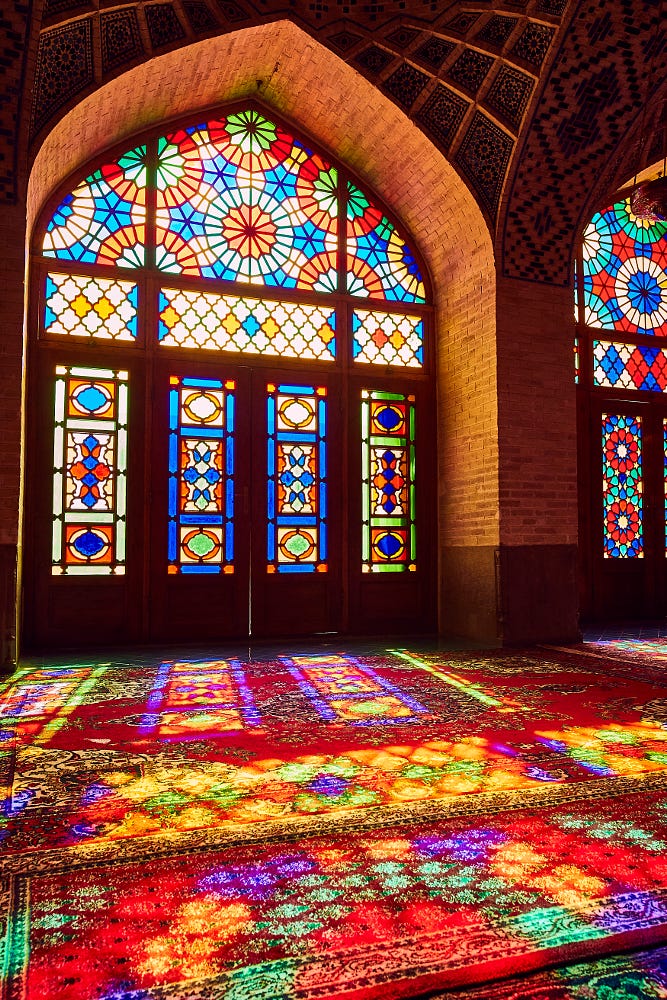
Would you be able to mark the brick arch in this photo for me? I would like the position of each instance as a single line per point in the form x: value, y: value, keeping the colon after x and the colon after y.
x: 286, y: 69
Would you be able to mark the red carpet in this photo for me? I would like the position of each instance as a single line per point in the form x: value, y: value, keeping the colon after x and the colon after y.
x: 328, y: 826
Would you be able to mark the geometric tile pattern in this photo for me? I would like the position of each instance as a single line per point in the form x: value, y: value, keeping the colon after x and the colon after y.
x: 533, y: 44
x: 434, y: 52
x: 121, y: 41
x: 373, y: 59
x: 509, y: 94
x: 575, y: 135
x: 470, y: 70
x: 163, y: 24
x: 64, y: 68
x: 406, y: 84
x: 200, y: 16
x: 442, y: 114
x: 483, y: 156
x: 497, y: 30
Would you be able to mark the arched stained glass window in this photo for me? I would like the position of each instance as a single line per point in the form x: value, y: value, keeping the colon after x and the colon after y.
x: 262, y: 324
x: 625, y: 272
x: 237, y: 199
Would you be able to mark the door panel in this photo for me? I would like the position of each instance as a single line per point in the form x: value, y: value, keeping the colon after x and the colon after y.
x: 199, y: 484
x: 627, y: 510
x: 392, y: 557
x: 83, y: 521
x: 243, y: 542
x: 298, y: 505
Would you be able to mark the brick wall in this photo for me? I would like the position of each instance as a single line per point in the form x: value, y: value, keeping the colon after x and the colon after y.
x: 536, y: 405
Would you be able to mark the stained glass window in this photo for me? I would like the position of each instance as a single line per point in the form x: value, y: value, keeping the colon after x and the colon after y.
x: 388, y: 481
x: 387, y: 338
x: 380, y: 264
x: 297, y: 478
x: 84, y: 306
x: 240, y: 199
x: 90, y: 462
x: 629, y: 367
x: 625, y: 272
x: 251, y: 326
x: 622, y: 486
x: 243, y: 200
x: 103, y: 221
x: 201, y: 476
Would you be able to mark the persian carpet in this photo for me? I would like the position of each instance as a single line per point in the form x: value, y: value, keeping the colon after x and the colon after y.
x: 327, y: 825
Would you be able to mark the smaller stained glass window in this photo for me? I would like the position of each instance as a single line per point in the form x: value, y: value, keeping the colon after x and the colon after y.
x: 388, y: 482
x: 201, y: 476
x: 103, y: 221
x: 625, y: 272
x: 622, y: 487
x: 629, y: 367
x: 90, y: 463
x: 83, y: 306
x: 297, y: 479
x: 250, y: 326
x: 380, y: 264
x: 387, y: 339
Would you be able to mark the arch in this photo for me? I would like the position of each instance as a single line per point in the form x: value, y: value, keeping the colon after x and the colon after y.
x: 345, y: 113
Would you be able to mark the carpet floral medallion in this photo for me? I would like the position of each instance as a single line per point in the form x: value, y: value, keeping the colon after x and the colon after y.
x: 332, y: 824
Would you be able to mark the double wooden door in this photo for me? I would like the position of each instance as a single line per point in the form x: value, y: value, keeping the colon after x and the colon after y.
x: 246, y: 511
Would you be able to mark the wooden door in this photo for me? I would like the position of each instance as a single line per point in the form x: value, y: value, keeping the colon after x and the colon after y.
x: 245, y: 540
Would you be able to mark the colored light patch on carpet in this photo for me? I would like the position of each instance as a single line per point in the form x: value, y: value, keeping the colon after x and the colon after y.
x: 653, y: 650
x: 192, y: 699
x: 344, y: 689
x: 153, y: 749
x: 388, y: 913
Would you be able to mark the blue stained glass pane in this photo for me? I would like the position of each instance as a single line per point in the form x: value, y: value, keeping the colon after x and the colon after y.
x: 296, y: 478
x: 201, y: 476
x: 297, y: 390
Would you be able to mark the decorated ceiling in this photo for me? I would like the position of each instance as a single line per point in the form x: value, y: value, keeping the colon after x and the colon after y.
x: 536, y: 103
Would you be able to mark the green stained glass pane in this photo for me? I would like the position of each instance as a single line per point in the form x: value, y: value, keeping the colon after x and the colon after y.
x: 388, y: 497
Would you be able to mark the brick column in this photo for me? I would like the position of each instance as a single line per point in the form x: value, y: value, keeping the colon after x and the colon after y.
x: 12, y: 240
x: 537, y: 555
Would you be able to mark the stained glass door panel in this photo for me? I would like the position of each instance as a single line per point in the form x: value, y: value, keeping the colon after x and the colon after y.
x: 625, y: 521
x: 200, y: 479
x: 299, y: 503
x: 80, y: 587
x: 392, y: 485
